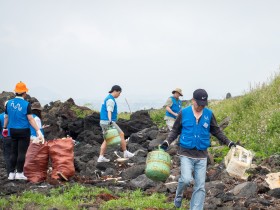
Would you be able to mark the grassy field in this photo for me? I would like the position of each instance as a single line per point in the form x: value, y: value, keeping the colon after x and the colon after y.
x: 82, y: 197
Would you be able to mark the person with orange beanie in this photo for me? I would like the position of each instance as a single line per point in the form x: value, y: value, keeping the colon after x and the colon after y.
x: 19, y: 116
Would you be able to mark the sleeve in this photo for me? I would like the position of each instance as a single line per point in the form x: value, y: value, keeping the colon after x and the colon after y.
x: 38, y: 122
x: 28, y: 109
x: 217, y: 132
x: 168, y: 102
x: 110, y: 104
x: 176, y: 129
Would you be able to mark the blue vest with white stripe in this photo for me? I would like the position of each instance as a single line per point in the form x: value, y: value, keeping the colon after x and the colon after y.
x: 104, y: 111
x: 195, y: 135
x: 176, y: 107
x: 17, y: 113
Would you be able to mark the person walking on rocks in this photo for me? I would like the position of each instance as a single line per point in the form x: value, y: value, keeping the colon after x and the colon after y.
x: 108, y: 117
x: 173, y: 106
x: 194, y: 124
x: 19, y: 118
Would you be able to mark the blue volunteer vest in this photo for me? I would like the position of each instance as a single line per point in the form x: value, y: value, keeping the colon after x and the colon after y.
x: 104, y: 112
x: 32, y: 130
x: 176, y: 107
x: 17, y: 113
x: 2, y: 116
x: 195, y: 136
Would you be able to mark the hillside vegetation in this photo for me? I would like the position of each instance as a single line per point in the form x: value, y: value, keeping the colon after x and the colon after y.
x: 255, y: 118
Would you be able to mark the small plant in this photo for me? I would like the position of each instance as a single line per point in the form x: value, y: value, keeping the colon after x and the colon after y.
x: 157, y: 117
x: 81, y: 113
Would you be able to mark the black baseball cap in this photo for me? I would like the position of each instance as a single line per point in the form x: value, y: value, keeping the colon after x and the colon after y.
x: 115, y: 88
x: 200, y: 96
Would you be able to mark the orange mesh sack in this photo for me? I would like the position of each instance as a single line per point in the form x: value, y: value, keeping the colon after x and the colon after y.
x: 36, y: 162
x: 62, y: 157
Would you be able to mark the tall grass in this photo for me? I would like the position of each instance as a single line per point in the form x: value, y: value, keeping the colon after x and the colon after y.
x: 255, y: 118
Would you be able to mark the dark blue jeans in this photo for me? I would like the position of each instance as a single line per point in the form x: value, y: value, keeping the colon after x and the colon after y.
x: 7, y: 150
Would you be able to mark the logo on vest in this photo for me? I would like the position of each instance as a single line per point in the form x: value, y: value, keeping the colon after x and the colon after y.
x: 16, y: 106
x: 205, y: 125
x: 206, y: 118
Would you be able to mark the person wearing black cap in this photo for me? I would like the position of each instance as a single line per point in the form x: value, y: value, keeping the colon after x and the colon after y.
x: 108, y: 117
x: 194, y: 124
x: 173, y: 106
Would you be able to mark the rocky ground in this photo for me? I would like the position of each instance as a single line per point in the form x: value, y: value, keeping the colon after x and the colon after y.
x: 223, y: 191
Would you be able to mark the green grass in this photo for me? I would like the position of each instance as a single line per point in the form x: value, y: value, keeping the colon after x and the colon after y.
x: 255, y: 118
x: 73, y: 197
x: 81, y: 113
x: 157, y: 117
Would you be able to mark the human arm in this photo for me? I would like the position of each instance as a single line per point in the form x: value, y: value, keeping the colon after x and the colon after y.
x: 167, y: 106
x: 218, y: 133
x: 170, y: 111
x: 35, y: 126
x: 110, y: 104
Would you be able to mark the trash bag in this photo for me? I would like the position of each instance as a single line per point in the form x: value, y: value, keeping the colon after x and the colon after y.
x: 62, y: 157
x: 36, y: 162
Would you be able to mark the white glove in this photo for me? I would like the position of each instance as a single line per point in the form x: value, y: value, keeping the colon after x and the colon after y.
x: 40, y: 136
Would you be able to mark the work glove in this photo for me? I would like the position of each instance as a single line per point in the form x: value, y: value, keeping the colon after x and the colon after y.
x: 5, y: 132
x: 40, y: 136
x: 231, y: 144
x: 164, y: 145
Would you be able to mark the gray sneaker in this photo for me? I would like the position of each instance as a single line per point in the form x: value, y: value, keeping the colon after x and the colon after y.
x: 102, y: 159
x: 178, y: 201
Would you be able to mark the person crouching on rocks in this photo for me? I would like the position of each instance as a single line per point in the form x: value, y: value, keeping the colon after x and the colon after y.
x: 108, y: 117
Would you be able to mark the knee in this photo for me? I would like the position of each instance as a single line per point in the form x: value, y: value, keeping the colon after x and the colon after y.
x: 186, y: 180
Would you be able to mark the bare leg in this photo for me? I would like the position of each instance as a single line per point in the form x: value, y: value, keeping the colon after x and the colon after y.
x: 123, y: 142
x: 103, y: 148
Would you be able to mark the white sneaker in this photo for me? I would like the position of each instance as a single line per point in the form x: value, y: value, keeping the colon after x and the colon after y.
x: 127, y: 154
x: 102, y: 159
x: 20, y: 176
x: 11, y: 176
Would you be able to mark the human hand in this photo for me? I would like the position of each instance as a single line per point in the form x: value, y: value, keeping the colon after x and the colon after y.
x: 231, y: 144
x: 5, y: 132
x: 164, y: 145
x: 110, y: 123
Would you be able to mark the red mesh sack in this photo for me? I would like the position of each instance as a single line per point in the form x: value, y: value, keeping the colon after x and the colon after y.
x: 36, y: 162
x: 62, y: 157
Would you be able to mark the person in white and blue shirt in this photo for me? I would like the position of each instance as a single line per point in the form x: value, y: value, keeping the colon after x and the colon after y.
x: 108, y: 117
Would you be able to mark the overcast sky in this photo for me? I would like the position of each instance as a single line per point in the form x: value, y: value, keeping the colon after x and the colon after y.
x: 79, y: 49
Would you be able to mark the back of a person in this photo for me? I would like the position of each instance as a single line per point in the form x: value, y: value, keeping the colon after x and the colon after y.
x: 17, y: 111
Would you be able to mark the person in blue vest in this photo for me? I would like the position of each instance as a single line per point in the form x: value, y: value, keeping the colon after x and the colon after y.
x: 19, y: 118
x: 36, y: 110
x: 108, y: 117
x: 173, y: 106
x: 194, y: 124
x: 6, y: 142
